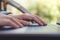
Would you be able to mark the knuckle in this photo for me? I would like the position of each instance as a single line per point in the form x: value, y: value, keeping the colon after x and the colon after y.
x: 8, y: 21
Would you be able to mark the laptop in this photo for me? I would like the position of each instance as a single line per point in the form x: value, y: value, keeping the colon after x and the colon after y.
x: 53, y: 29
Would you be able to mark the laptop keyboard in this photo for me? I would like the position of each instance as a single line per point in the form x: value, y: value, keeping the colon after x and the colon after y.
x: 42, y: 29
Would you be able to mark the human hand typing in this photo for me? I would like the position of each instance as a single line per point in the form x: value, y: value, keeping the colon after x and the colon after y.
x: 29, y: 17
x: 7, y: 20
x: 18, y: 21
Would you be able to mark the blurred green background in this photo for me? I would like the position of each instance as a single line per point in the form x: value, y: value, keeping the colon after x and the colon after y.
x: 49, y: 10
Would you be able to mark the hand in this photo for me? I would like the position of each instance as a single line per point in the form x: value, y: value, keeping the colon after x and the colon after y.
x: 31, y: 18
x: 7, y: 20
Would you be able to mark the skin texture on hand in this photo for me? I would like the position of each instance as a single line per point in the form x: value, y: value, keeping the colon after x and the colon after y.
x: 7, y: 20
x: 18, y: 21
x: 30, y: 17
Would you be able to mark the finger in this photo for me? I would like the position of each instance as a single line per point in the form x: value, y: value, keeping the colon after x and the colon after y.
x: 25, y: 17
x: 13, y: 24
x: 15, y: 20
x: 37, y: 21
x: 25, y: 23
x: 44, y: 23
